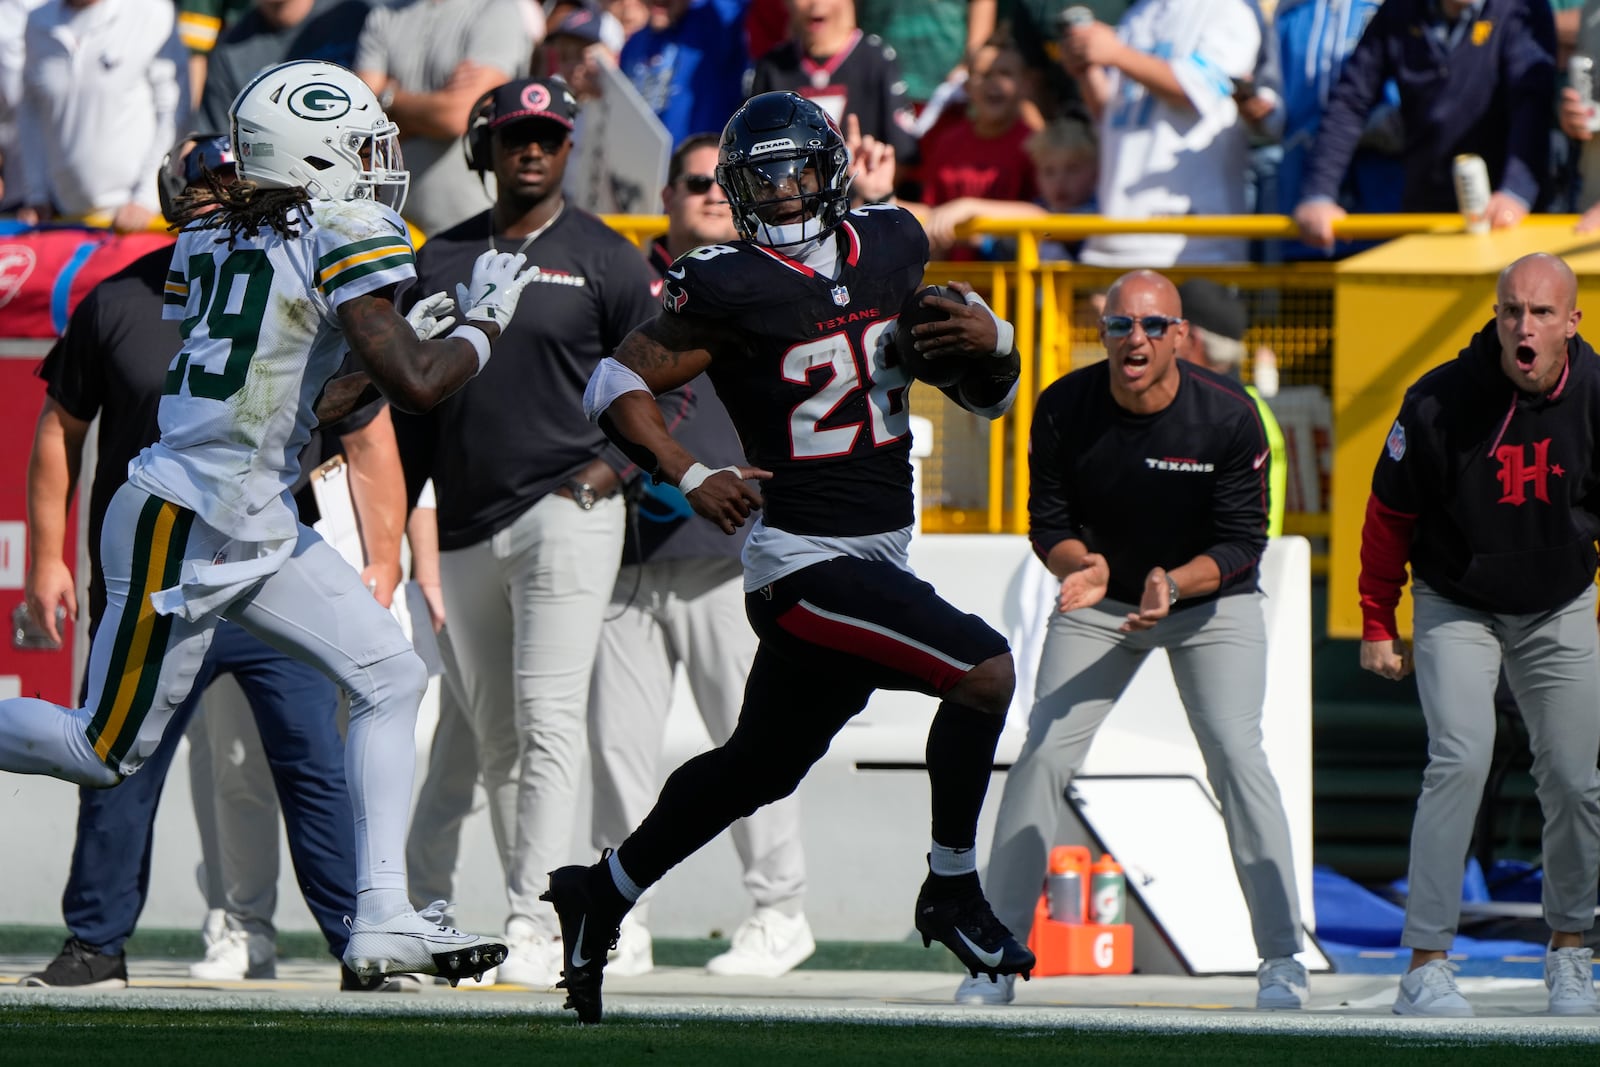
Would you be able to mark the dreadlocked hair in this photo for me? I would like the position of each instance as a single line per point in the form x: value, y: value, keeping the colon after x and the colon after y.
x: 240, y: 207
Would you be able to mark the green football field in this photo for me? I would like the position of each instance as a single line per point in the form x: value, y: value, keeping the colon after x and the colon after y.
x: 74, y: 1037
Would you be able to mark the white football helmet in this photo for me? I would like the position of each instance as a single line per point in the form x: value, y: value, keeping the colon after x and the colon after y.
x: 315, y: 125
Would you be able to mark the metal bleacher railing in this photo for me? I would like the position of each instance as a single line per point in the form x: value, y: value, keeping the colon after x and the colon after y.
x: 976, y: 480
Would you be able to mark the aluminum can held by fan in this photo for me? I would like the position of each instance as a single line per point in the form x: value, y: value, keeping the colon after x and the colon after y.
x: 1580, y: 79
x: 1472, y: 192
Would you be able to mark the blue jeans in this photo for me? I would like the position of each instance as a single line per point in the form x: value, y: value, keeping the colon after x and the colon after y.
x: 294, y: 707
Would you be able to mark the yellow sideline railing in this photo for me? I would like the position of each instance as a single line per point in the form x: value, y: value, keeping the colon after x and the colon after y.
x: 976, y: 480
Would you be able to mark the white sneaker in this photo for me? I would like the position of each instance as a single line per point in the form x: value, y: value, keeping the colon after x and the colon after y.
x: 237, y: 955
x: 984, y: 990
x: 1283, y: 985
x: 533, y: 959
x: 634, y: 954
x: 421, y: 943
x: 215, y: 927
x: 766, y: 945
x: 1569, y: 975
x: 1431, y: 990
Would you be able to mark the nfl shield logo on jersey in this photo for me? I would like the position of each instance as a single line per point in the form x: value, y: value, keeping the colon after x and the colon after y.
x: 1396, y: 445
x: 841, y: 296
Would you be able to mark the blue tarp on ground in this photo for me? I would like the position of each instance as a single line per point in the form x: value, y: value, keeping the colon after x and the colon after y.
x: 1361, y: 930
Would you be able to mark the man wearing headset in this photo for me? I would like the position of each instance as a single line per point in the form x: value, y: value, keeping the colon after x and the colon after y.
x: 530, y: 519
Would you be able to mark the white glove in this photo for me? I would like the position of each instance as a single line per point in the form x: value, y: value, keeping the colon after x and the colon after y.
x: 430, y: 317
x: 495, y: 287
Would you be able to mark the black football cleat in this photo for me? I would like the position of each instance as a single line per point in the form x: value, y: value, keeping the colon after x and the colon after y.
x: 587, y: 936
x: 954, y: 912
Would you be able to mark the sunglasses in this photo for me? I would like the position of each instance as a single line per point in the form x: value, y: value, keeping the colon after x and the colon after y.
x: 698, y: 184
x: 1154, y: 326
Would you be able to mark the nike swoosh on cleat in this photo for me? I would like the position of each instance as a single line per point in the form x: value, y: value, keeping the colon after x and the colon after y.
x: 991, y: 958
x: 578, y: 960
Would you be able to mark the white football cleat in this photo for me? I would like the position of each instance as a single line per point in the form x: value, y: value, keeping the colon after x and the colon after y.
x: 421, y: 943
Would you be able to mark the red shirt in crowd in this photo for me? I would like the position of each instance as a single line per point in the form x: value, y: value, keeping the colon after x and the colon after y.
x: 956, y: 162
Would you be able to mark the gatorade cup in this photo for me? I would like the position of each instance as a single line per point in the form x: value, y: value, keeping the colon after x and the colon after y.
x: 1108, y: 893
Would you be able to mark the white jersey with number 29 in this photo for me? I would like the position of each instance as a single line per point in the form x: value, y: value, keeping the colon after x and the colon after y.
x: 261, y: 339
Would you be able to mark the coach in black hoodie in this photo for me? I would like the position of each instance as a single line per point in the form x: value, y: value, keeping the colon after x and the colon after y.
x: 1489, y: 486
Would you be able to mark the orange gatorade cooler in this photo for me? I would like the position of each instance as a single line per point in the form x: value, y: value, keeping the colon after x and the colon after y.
x: 1082, y: 947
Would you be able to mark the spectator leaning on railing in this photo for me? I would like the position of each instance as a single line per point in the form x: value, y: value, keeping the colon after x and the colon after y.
x: 981, y: 153
x: 1475, y: 77
x: 1160, y: 87
x: 1315, y: 38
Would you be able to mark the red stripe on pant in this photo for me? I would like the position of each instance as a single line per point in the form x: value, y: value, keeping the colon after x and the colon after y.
x: 861, y: 639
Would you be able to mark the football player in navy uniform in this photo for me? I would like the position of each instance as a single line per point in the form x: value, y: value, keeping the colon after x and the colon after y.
x: 795, y: 324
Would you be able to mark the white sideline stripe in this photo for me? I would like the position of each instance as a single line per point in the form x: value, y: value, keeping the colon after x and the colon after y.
x: 884, y: 631
x: 1519, y: 1031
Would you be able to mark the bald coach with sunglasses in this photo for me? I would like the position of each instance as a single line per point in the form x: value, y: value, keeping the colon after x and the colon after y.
x: 1148, y: 500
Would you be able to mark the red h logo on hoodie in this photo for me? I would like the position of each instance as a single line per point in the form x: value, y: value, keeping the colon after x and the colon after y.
x: 1514, y: 474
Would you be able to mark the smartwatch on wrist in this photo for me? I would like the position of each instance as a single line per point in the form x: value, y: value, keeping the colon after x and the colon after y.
x: 1172, y: 591
x: 582, y: 493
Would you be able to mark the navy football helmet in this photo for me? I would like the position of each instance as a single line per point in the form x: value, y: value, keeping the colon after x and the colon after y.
x: 188, y: 161
x: 785, y: 168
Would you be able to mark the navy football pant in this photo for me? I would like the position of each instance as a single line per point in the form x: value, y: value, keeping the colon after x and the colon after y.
x: 294, y: 706
x: 830, y: 634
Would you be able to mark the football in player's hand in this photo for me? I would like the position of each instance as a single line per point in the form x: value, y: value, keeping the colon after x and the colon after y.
x: 936, y: 371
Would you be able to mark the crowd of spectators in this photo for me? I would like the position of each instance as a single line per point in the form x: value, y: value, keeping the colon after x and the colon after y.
x: 1308, y: 108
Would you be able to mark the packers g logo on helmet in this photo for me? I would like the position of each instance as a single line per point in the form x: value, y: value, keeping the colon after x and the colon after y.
x: 320, y: 102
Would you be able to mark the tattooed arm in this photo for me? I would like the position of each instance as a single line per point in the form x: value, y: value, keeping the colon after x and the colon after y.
x: 414, y: 374
x: 664, y: 353
x: 661, y: 355
x: 344, y: 394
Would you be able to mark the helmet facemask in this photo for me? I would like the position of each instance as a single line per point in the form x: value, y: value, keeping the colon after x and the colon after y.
x: 788, y: 199
x: 382, y: 169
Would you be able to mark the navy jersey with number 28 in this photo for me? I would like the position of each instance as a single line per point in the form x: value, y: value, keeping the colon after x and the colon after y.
x: 815, y: 390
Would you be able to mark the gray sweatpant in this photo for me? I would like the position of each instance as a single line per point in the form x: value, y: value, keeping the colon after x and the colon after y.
x: 1218, y: 657
x: 662, y: 614
x: 448, y: 791
x: 245, y: 800
x: 1552, y: 661
x: 525, y: 607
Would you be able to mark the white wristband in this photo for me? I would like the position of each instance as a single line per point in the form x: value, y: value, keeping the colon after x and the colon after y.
x: 1005, y: 333
x: 697, y: 474
x: 477, y: 339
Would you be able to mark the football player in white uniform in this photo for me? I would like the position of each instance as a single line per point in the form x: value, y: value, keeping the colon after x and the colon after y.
x: 301, y: 261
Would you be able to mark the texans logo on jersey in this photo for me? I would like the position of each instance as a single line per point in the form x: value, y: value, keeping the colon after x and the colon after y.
x: 674, y: 297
